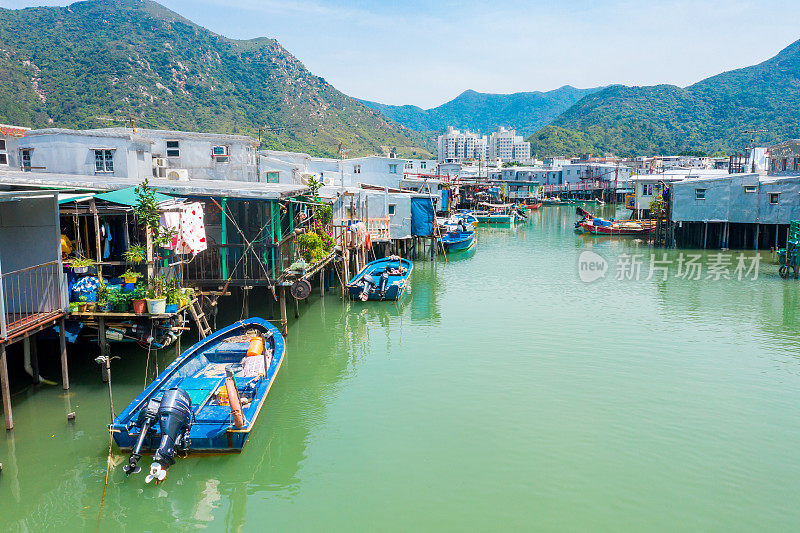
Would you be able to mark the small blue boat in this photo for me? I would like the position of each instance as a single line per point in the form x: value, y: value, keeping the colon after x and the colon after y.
x: 207, y: 400
x: 455, y: 241
x: 384, y: 279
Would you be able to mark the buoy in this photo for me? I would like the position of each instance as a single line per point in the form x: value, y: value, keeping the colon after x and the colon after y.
x: 256, y: 347
x: 233, y: 400
x: 368, y: 241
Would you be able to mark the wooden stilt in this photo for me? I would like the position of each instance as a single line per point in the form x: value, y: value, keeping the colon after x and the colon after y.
x: 6, y: 390
x: 705, y: 235
x: 322, y: 283
x: 101, y: 339
x: 284, y: 319
x: 755, y: 240
x: 62, y: 340
x: 296, y: 307
x: 270, y: 305
x: 34, y: 357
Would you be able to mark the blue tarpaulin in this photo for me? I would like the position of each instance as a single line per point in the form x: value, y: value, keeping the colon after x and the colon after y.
x: 421, y: 217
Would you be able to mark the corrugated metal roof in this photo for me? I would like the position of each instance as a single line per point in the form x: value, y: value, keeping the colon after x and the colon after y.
x: 197, y: 188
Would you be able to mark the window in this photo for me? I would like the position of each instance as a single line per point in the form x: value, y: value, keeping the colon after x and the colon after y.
x: 797, y: 163
x: 647, y: 189
x: 104, y: 161
x: 784, y: 164
x: 750, y: 189
x: 774, y: 197
x: 220, y: 150
x: 422, y: 165
x: 392, y: 209
x: 356, y: 169
x: 408, y: 165
x: 392, y: 169
x: 25, y: 159
x: 173, y: 149
x: 273, y: 177
x: 699, y: 194
x: 3, y: 152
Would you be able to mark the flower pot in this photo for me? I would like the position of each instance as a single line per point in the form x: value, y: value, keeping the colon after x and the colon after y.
x: 156, y: 306
x: 121, y: 308
x: 80, y: 270
x: 104, y: 308
x: 91, y: 306
x: 131, y: 279
x: 139, y: 306
x: 81, y: 307
x: 171, y: 308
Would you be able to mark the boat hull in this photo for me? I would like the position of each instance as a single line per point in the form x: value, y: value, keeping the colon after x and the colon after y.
x: 457, y: 241
x: 395, y: 288
x: 200, y: 372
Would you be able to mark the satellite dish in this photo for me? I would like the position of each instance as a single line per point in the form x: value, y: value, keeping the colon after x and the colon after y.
x: 300, y: 289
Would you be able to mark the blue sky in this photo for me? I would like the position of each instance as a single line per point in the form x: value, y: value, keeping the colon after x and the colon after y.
x: 425, y: 53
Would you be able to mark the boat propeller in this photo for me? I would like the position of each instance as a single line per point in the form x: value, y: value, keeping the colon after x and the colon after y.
x: 157, y: 472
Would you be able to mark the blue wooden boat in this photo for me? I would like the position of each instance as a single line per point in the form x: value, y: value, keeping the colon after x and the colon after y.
x: 455, y: 241
x: 207, y: 400
x: 384, y: 279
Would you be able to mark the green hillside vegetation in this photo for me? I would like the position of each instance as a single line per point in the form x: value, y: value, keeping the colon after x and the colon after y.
x: 527, y: 112
x: 64, y: 67
x: 710, y: 116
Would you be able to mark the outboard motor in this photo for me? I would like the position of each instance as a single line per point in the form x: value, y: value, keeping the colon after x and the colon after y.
x: 383, y: 283
x: 175, y: 420
x: 147, y: 416
x: 367, y: 282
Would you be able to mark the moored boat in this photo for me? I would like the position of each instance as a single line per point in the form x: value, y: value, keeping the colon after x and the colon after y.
x: 207, y: 400
x: 496, y: 214
x: 600, y: 226
x: 455, y: 241
x: 383, y: 279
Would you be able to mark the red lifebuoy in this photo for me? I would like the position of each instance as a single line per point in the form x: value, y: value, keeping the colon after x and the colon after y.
x: 368, y: 242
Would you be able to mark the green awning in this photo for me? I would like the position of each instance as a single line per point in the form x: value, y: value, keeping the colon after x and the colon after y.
x: 128, y: 197
x: 75, y: 197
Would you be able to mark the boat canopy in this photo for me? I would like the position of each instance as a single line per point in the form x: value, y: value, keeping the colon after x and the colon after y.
x: 487, y: 204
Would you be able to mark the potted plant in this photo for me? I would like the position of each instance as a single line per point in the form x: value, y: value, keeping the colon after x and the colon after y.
x: 173, y: 296
x: 73, y: 307
x: 156, y: 296
x: 118, y: 300
x: 130, y: 276
x: 136, y: 254
x: 82, y: 304
x: 80, y: 265
x: 139, y: 298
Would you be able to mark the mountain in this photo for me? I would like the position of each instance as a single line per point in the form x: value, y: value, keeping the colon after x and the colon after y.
x: 527, y: 112
x: 711, y: 115
x: 67, y: 66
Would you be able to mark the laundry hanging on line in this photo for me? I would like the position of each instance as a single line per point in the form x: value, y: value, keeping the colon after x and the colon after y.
x: 189, y: 230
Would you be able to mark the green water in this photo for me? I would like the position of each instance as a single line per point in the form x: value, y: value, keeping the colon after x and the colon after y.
x: 501, y: 393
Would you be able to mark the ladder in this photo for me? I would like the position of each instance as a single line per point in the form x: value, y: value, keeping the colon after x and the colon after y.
x: 199, y: 317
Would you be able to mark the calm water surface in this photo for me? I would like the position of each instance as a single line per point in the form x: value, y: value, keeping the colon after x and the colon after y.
x: 503, y: 392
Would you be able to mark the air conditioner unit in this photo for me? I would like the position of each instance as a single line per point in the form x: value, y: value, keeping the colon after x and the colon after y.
x: 178, y: 174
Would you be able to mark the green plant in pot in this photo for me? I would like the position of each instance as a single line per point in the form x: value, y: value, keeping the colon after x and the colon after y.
x: 139, y: 298
x: 82, y: 304
x: 157, y: 296
x: 173, y: 295
x: 136, y: 254
x: 118, y: 300
x: 80, y: 265
x: 131, y: 276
